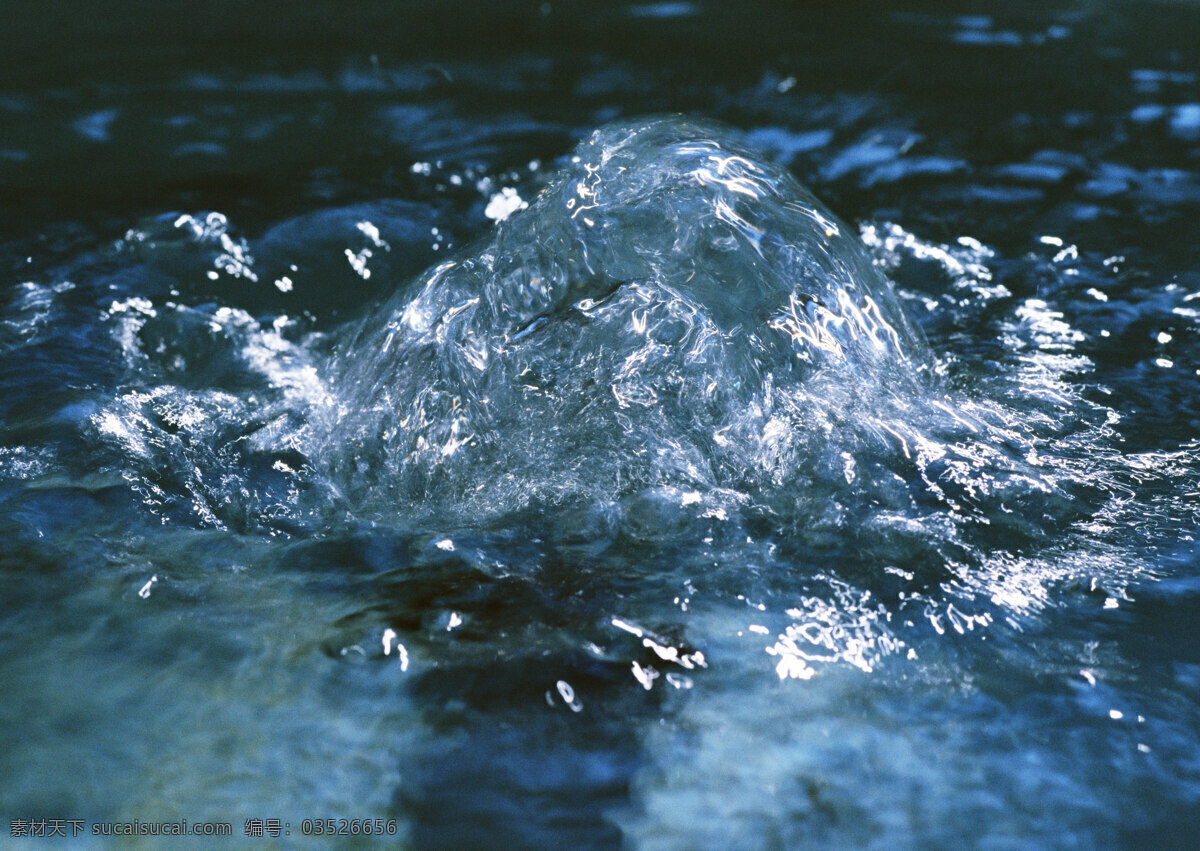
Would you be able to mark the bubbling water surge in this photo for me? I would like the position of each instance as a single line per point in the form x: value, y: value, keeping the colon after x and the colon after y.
x: 668, y: 313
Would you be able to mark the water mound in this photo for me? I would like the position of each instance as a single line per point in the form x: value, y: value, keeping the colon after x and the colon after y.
x: 670, y: 315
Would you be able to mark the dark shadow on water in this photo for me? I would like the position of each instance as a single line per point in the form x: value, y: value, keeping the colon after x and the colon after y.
x: 508, y: 770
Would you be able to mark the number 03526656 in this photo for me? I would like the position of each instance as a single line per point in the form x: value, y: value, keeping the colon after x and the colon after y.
x: 348, y: 827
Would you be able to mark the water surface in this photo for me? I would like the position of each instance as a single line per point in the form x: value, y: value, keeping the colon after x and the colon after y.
x: 492, y: 421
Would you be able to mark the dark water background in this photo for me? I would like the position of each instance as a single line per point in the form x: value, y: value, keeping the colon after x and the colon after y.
x: 985, y: 636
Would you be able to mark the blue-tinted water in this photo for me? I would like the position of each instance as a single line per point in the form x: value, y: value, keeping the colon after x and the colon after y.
x: 467, y: 418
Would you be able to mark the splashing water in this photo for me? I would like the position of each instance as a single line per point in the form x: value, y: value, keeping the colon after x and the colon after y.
x: 668, y: 314
x: 677, y: 334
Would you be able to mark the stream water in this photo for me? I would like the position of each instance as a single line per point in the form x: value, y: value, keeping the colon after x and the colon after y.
x: 645, y: 425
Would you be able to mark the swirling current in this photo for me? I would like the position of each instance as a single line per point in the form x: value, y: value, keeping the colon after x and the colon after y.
x: 623, y: 496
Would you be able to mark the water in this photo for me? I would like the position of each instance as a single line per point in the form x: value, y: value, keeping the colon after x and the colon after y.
x: 503, y: 441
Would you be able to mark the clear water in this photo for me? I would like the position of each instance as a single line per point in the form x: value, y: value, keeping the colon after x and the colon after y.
x: 397, y: 422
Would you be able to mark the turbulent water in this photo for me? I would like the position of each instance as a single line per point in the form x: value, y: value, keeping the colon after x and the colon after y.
x: 535, y: 472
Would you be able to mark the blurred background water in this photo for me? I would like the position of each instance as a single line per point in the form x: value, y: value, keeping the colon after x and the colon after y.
x: 646, y: 545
